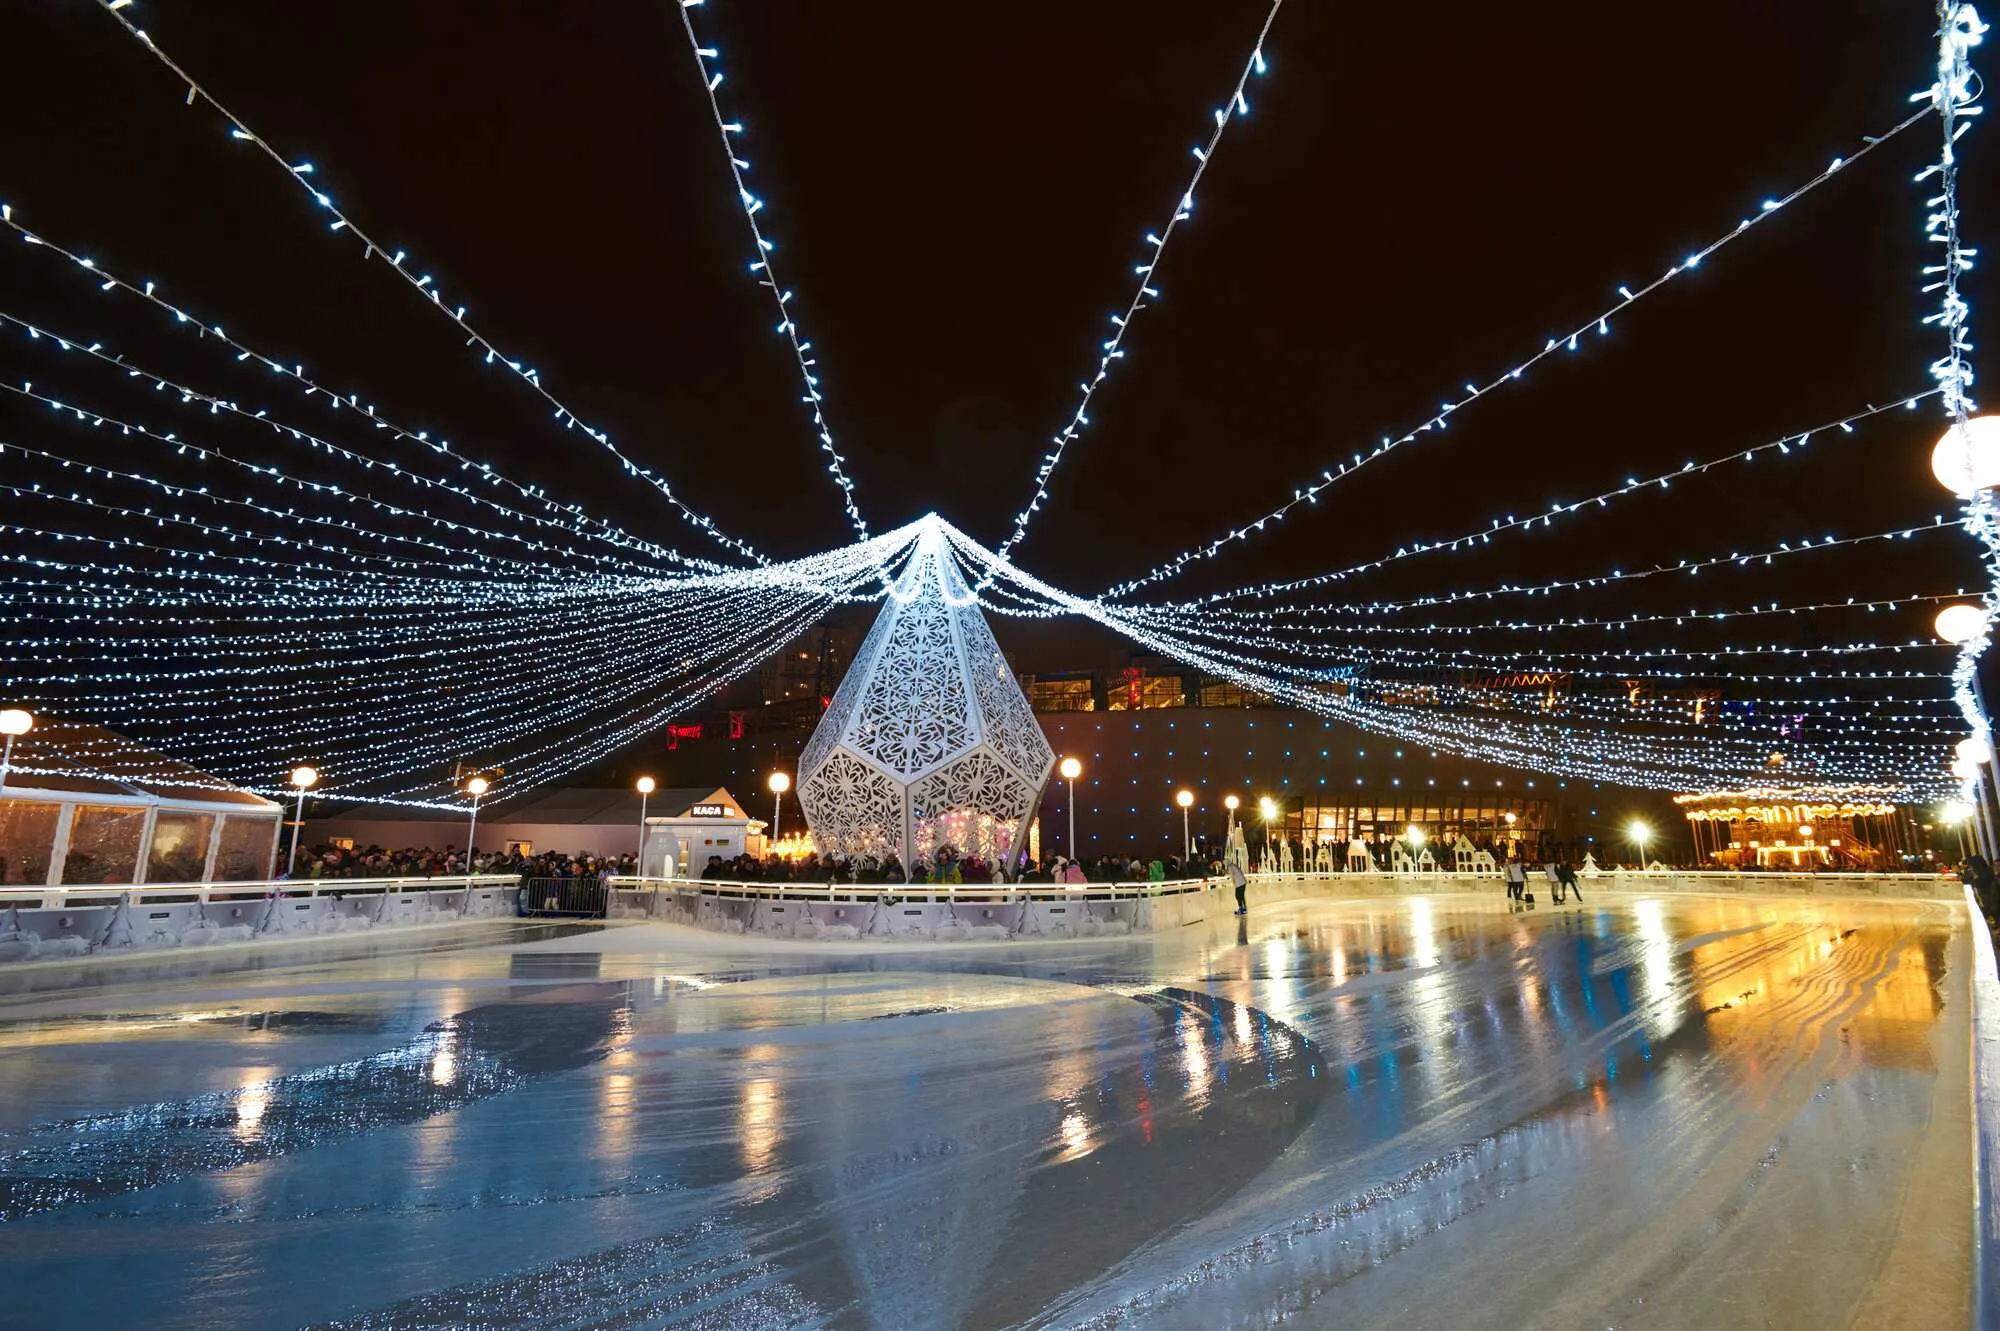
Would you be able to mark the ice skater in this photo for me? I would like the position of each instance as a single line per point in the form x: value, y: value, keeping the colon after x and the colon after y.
x: 1237, y: 857
x: 1567, y: 877
x: 1517, y: 878
x: 1553, y: 876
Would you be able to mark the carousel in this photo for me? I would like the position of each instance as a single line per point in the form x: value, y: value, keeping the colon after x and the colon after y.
x: 1761, y: 829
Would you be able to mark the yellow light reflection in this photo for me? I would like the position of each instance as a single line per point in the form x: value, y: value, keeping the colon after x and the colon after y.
x: 252, y: 1099
x: 759, y: 1117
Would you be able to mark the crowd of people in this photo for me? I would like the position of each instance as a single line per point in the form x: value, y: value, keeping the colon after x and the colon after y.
x: 949, y: 867
x: 331, y: 861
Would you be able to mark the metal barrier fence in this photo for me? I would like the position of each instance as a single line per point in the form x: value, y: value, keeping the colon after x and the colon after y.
x: 563, y: 896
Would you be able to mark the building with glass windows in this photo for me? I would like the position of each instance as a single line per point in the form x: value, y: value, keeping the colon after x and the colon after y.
x: 82, y: 806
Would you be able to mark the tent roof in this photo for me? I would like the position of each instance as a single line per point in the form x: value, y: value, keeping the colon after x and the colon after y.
x: 71, y: 757
x: 570, y: 805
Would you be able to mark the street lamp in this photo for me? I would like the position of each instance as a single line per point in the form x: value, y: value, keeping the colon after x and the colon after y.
x: 1071, y: 769
x: 474, y: 786
x: 1967, y: 459
x: 779, y: 783
x: 303, y: 779
x: 646, y: 788
x: 1959, y: 624
x: 13, y: 721
x: 1640, y: 835
x: 1230, y: 802
x: 1269, y: 808
x: 1186, y: 800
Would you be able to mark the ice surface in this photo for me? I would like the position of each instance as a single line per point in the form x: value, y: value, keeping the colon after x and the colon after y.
x: 1649, y: 1111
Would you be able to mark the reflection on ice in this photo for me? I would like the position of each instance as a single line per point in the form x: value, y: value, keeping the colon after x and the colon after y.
x: 1367, y: 1106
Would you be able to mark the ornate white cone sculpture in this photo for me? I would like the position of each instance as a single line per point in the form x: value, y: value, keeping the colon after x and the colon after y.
x: 928, y: 741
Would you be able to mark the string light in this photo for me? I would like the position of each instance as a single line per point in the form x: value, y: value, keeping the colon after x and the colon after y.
x: 581, y: 524
x: 148, y: 291
x: 705, y: 58
x: 1784, y: 445
x: 1600, y: 326
x: 1113, y: 348
x: 304, y: 175
x: 1697, y: 759
x: 1953, y: 97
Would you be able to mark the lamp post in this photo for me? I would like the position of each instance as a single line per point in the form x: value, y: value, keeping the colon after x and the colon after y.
x: 778, y: 784
x: 13, y: 721
x: 646, y: 788
x: 475, y: 787
x: 1959, y: 625
x: 303, y: 779
x: 1640, y: 835
x: 1231, y: 803
x: 1269, y: 808
x: 1071, y: 769
x: 1186, y: 800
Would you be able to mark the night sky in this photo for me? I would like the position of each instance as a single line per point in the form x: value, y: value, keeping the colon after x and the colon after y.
x: 1419, y: 197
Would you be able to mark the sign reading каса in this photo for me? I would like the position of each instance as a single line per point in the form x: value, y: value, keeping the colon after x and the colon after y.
x: 709, y: 811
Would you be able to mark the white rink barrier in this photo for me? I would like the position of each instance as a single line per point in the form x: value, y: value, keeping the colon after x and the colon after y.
x: 1925, y: 886
x: 934, y: 912
x: 45, y: 923
x: 920, y: 912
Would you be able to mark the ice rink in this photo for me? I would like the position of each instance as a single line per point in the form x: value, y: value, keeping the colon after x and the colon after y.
x: 1638, y: 1112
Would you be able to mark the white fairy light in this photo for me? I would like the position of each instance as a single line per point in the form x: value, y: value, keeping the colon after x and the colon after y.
x: 1155, y: 242
x: 427, y: 287
x: 762, y: 266
x: 1598, y: 325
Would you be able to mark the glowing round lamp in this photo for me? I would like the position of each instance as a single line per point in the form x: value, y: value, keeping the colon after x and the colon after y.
x: 778, y: 783
x: 1974, y: 750
x: 1512, y: 818
x: 477, y: 786
x: 16, y: 721
x: 1954, y: 811
x: 1960, y: 623
x: 1266, y: 807
x: 1967, y: 459
x: 1640, y: 832
x: 1071, y: 769
x: 647, y: 785
x: 1231, y: 803
x: 304, y: 778
x: 1185, y: 799
x: 1964, y: 770
x: 1415, y: 835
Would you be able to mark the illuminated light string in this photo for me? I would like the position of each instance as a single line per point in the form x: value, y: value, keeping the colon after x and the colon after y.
x: 347, y: 757
x: 1600, y: 325
x: 409, y: 726
x: 510, y: 707
x: 185, y: 700
x: 1674, y: 618
x: 279, y: 479
x: 1155, y: 242
x: 761, y: 265
x: 301, y: 174
x: 1953, y: 96
x: 581, y: 524
x: 1179, y: 611
x: 230, y: 718
x: 1784, y: 446
x: 146, y: 291
x: 37, y: 491
x: 550, y: 625
x: 1698, y: 762
x: 1462, y: 739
